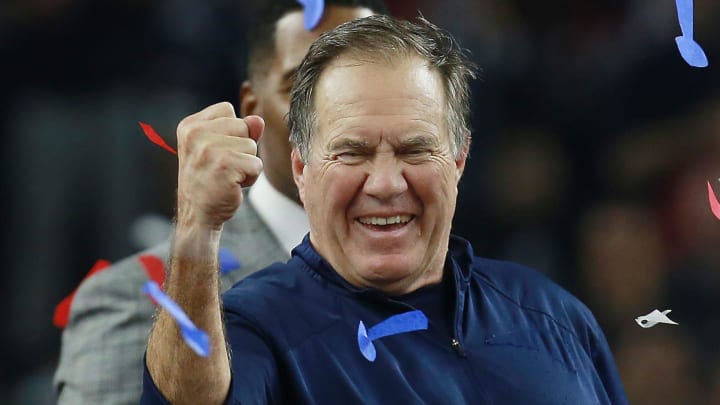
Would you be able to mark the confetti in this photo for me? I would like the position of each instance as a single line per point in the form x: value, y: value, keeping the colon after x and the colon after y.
x: 714, y: 204
x: 690, y: 50
x: 62, y: 310
x: 402, y: 323
x: 653, y: 318
x: 196, y: 338
x: 154, y: 267
x: 313, y: 12
x: 228, y: 261
x: 155, y: 138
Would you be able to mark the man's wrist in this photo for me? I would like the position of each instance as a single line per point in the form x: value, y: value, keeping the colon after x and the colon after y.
x: 195, y: 243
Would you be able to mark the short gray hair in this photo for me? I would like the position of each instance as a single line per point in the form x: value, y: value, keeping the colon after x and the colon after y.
x: 389, y: 38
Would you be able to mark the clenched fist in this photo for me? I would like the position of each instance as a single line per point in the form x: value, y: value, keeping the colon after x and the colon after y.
x: 217, y: 157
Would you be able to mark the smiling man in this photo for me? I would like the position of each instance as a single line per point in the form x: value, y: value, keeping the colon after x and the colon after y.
x: 378, y: 121
x: 381, y: 173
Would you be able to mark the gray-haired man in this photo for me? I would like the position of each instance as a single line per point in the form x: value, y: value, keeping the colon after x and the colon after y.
x: 378, y: 122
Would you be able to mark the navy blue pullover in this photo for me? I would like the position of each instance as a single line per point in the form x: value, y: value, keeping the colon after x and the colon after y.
x: 509, y: 336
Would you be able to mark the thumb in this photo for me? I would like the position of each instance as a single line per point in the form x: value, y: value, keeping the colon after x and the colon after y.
x: 256, y: 126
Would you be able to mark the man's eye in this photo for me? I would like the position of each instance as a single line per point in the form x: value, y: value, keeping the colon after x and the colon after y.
x: 350, y: 157
x: 416, y: 152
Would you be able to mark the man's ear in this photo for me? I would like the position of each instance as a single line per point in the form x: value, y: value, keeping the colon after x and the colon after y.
x: 248, y: 100
x: 462, y: 157
x: 298, y: 170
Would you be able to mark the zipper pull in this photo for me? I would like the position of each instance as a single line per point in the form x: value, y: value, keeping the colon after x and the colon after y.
x: 458, y: 348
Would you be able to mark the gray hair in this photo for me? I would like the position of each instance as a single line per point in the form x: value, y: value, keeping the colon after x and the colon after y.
x: 384, y: 36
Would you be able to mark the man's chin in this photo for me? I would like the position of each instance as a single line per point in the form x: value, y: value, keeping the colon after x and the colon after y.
x: 387, y: 269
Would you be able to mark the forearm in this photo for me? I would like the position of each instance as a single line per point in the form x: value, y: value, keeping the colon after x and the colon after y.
x: 178, y: 372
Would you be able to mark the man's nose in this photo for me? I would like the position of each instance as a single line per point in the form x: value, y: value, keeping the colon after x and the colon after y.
x: 386, y: 178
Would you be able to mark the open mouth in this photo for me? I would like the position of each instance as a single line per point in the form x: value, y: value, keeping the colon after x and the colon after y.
x: 385, y: 223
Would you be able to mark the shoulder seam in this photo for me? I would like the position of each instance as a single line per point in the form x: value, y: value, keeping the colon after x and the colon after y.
x: 528, y: 308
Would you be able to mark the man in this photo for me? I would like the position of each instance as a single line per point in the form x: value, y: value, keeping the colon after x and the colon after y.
x: 104, y: 341
x: 378, y: 121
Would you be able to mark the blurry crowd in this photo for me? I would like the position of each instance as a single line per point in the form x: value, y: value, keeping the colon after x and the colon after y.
x: 592, y: 146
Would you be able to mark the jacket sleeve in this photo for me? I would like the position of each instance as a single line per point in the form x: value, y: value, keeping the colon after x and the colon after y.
x: 595, y: 344
x: 605, y: 366
x: 104, y: 341
x: 255, y: 366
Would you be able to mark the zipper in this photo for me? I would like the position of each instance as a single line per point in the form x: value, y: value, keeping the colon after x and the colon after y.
x: 458, y: 347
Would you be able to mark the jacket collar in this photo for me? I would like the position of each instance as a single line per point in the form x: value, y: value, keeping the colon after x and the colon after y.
x: 458, y: 260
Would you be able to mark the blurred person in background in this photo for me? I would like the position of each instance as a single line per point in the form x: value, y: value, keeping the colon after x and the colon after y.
x: 623, y: 270
x: 655, y: 246
x: 103, y: 343
x: 660, y: 367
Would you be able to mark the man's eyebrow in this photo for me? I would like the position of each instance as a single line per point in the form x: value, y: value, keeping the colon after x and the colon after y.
x: 421, y: 141
x: 348, y: 143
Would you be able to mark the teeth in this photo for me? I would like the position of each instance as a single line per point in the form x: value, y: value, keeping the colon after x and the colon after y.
x: 397, y: 219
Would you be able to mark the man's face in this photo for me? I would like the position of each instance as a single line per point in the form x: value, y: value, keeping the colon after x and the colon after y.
x: 272, y: 90
x: 381, y: 181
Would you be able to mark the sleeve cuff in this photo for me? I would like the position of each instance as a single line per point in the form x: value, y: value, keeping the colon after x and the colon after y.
x: 150, y: 393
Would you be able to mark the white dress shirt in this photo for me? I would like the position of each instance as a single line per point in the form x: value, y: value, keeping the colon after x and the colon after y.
x: 285, y: 218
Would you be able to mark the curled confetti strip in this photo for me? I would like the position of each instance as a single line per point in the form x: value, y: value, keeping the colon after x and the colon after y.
x: 402, y: 323
x: 155, y: 138
x: 228, y: 261
x: 62, y: 310
x: 154, y: 267
x: 690, y: 50
x: 313, y: 12
x: 655, y: 317
x: 714, y: 204
x: 196, y: 338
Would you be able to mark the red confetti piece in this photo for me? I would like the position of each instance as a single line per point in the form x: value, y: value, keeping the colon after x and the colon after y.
x: 62, y: 310
x: 155, y: 138
x: 714, y: 204
x: 154, y: 267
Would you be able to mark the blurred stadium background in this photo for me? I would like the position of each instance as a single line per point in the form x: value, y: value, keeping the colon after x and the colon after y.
x: 593, y: 143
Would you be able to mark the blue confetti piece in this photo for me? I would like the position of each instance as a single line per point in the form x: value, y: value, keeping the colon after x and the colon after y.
x: 313, y: 10
x: 228, y: 261
x: 407, y: 322
x: 196, y: 338
x: 690, y: 50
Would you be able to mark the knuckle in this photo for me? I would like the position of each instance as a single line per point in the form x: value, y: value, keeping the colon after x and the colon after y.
x: 205, y: 152
x: 223, y: 162
x: 258, y: 164
x: 194, y: 138
x: 193, y: 131
x: 226, y: 108
x: 235, y: 127
x: 186, y: 130
x: 185, y: 122
x: 248, y: 146
x: 182, y: 128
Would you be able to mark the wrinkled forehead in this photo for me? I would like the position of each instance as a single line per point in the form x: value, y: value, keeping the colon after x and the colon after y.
x: 360, y: 96
x: 360, y: 78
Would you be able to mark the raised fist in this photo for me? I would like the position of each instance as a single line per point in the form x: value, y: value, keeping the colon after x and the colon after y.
x: 217, y: 154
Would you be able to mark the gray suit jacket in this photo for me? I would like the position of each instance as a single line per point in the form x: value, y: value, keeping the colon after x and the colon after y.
x: 101, y: 357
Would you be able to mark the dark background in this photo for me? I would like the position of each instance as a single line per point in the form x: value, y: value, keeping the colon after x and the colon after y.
x: 593, y: 143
